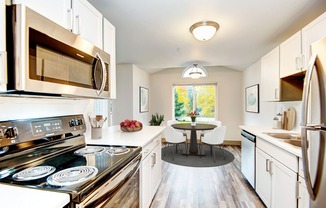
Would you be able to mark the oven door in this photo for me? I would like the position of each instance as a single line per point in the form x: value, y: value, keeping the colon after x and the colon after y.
x: 122, y: 190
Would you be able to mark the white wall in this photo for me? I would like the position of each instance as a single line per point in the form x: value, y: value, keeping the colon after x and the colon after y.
x: 267, y: 110
x: 126, y: 106
x: 229, y: 100
x: 140, y: 79
x: 122, y: 105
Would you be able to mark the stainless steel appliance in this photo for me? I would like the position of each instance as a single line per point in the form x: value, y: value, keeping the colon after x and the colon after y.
x: 51, y: 154
x: 248, y: 167
x: 313, y: 123
x: 47, y: 59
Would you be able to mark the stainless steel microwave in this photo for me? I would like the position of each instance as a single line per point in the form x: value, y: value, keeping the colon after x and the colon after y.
x: 47, y: 59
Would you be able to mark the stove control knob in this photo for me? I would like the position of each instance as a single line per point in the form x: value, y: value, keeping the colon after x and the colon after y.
x: 80, y: 121
x: 72, y: 123
x: 11, y: 132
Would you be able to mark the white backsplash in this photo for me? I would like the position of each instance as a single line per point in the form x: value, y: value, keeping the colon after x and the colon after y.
x: 22, y: 108
x: 297, y: 105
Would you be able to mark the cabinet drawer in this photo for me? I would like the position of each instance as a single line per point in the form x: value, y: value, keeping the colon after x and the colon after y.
x: 150, y: 146
x: 284, y: 157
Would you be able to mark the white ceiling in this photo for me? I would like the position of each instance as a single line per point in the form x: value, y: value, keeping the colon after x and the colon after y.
x: 154, y: 34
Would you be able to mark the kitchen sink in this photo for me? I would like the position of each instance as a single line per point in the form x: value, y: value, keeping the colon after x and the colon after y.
x: 291, y: 138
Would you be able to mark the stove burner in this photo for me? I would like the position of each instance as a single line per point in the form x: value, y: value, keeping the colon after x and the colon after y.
x: 117, y: 150
x: 33, y: 173
x: 71, y: 176
x: 89, y: 150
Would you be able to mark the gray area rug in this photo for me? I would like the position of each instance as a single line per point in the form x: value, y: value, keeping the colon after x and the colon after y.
x: 196, y: 161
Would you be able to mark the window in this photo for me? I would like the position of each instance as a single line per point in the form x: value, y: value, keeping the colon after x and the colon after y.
x: 199, y: 97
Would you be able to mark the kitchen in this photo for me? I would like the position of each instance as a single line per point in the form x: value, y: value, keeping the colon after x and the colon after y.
x: 230, y: 109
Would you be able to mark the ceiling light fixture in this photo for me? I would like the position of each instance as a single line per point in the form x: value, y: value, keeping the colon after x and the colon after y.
x: 204, y: 30
x: 194, y: 72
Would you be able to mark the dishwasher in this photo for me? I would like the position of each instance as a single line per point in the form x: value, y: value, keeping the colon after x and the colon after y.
x: 248, y: 156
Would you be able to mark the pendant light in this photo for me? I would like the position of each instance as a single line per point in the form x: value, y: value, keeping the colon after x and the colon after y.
x: 194, y: 72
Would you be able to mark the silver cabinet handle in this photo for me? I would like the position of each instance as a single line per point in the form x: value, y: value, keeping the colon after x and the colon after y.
x: 304, y: 146
x: 153, y: 159
x: 276, y: 93
x: 267, y: 165
x: 297, y: 190
x: 77, y: 24
x: 297, y: 63
x: 270, y: 167
x: 69, y: 19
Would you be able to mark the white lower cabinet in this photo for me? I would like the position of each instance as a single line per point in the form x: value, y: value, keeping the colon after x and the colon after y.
x: 303, y: 195
x: 145, y: 186
x: 263, y: 177
x: 284, y: 189
x: 303, y: 198
x: 276, y: 184
x: 150, y: 172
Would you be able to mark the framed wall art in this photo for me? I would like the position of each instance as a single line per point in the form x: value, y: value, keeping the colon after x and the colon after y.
x: 143, y: 99
x: 252, y: 99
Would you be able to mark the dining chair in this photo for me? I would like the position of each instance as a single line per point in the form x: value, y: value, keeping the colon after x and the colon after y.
x: 214, y: 138
x: 215, y: 122
x: 171, y: 122
x: 174, y: 137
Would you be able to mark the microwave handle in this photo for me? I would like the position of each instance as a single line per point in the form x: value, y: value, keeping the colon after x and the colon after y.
x: 104, y: 74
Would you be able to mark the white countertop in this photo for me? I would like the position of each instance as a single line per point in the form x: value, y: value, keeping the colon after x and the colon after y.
x: 260, y: 130
x: 114, y: 136
x: 17, y: 197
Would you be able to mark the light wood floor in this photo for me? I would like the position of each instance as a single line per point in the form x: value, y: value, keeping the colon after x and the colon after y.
x: 222, y: 187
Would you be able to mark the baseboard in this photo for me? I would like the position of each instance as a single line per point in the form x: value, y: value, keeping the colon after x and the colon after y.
x: 229, y: 142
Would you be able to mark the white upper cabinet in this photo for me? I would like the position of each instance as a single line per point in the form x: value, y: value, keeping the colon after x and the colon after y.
x: 87, y: 22
x: 270, y: 76
x: 3, y: 57
x: 311, y: 33
x: 291, y: 60
x: 58, y: 11
x: 109, y: 47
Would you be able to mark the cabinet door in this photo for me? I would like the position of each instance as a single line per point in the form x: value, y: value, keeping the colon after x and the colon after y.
x: 156, y: 169
x: 311, y: 33
x: 145, y: 183
x: 290, y: 56
x: 87, y: 22
x: 263, y: 176
x: 303, y: 198
x: 58, y: 11
x: 284, y: 186
x: 270, y: 77
x: 3, y: 58
x: 109, y: 47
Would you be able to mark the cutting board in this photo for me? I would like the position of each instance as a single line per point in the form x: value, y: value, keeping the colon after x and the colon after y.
x: 289, y: 118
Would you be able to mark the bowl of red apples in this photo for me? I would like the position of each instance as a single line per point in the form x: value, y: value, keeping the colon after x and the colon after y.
x: 129, y: 125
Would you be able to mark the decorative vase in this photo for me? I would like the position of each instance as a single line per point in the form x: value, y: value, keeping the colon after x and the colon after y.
x: 193, y: 121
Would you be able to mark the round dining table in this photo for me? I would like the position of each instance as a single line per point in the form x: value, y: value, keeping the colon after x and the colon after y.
x: 193, y: 149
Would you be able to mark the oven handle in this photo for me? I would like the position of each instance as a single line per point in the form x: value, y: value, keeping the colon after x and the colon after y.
x: 107, y: 190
